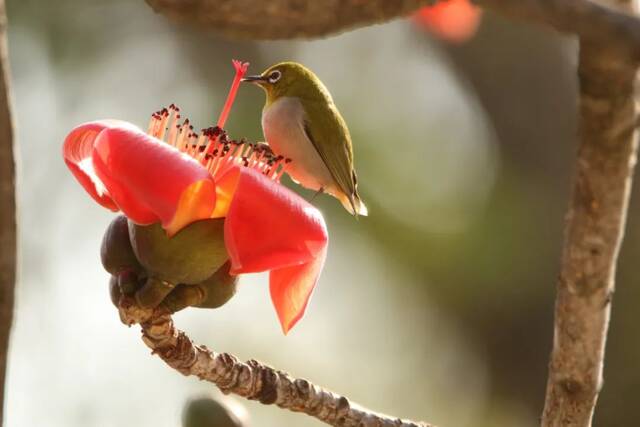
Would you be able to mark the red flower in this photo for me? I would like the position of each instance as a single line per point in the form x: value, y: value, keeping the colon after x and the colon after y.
x: 174, y: 176
x: 452, y: 20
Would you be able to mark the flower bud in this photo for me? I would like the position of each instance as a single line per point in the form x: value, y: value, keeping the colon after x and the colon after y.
x: 190, y: 256
x: 219, y: 288
x: 153, y: 292
x: 183, y: 296
x: 208, y: 412
x: 123, y: 283
x: 211, y: 293
x: 116, y: 252
x: 114, y: 290
x: 129, y: 282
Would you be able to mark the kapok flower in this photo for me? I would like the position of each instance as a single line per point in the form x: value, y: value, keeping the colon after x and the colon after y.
x: 452, y: 20
x: 174, y: 176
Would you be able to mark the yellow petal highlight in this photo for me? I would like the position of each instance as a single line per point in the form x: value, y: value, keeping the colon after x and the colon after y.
x: 196, y: 202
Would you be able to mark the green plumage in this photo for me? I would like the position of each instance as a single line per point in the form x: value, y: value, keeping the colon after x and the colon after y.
x: 329, y: 134
x: 322, y: 124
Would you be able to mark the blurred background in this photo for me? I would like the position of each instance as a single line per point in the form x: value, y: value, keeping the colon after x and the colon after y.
x: 438, y: 306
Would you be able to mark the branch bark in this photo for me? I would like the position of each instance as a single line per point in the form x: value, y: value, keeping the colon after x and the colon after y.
x: 7, y: 209
x: 284, y: 19
x: 287, y: 19
x: 594, y: 230
x: 252, y: 380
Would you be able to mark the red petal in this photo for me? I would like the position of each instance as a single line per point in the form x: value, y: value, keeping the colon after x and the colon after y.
x: 151, y: 180
x: 77, y: 149
x: 451, y: 20
x: 291, y: 301
x: 269, y: 227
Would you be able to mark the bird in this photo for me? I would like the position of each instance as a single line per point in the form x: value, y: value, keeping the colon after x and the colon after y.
x: 301, y: 122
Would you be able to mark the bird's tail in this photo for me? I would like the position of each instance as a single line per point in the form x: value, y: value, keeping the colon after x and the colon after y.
x: 354, y: 205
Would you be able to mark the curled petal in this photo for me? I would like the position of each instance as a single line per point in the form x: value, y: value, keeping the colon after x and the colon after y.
x: 150, y: 180
x: 270, y: 228
x: 77, y: 149
x: 123, y: 168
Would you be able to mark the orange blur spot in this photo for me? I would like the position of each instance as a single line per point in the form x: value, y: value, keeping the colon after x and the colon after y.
x: 451, y: 20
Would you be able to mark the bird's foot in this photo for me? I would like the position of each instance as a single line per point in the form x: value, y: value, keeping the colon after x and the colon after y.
x: 316, y: 194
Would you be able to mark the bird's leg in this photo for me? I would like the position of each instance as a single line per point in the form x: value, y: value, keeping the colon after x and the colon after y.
x: 317, y: 193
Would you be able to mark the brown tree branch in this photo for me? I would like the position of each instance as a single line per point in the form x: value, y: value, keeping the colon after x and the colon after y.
x: 286, y: 19
x: 252, y: 380
x: 594, y: 230
x: 7, y: 208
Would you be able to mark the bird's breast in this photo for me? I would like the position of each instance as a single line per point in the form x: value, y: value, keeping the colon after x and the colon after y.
x: 283, y: 127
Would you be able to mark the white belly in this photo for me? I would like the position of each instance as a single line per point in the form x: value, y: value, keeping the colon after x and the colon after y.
x: 283, y: 127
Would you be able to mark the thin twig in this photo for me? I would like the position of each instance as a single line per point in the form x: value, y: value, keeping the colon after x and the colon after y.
x: 7, y: 209
x: 594, y: 230
x: 252, y: 380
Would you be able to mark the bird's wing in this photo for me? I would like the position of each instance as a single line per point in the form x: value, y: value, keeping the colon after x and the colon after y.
x: 328, y: 132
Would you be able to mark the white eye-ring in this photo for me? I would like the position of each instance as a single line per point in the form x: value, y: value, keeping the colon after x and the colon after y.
x: 274, y: 76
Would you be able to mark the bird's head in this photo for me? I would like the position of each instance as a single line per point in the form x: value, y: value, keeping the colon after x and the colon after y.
x: 287, y: 79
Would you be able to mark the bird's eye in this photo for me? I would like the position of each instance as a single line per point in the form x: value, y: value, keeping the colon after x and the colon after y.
x: 274, y: 76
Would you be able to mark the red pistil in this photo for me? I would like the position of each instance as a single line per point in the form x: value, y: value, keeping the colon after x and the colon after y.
x: 241, y: 70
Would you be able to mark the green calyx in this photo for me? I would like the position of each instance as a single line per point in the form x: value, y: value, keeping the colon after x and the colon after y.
x: 189, y: 257
x: 190, y: 269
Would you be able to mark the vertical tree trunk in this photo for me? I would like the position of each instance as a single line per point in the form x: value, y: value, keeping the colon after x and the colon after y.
x: 594, y: 230
x: 7, y: 209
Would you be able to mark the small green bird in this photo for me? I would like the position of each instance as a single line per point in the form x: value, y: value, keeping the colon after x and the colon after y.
x: 301, y: 122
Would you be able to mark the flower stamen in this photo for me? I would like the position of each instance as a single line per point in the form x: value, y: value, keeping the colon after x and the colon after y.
x: 211, y: 147
x: 174, y: 127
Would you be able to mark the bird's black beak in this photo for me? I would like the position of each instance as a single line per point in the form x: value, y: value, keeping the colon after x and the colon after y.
x: 254, y: 79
